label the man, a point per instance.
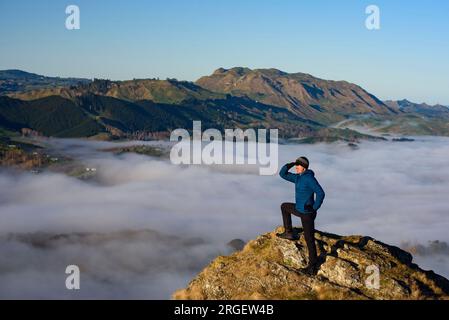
(306, 186)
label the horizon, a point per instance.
(186, 40)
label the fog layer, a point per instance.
(393, 191)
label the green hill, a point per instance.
(91, 114)
(160, 91)
(51, 116)
(298, 104)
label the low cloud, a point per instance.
(393, 191)
(126, 264)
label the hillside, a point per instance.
(270, 268)
(299, 105)
(90, 115)
(432, 111)
(12, 81)
(402, 124)
(321, 100)
(159, 91)
(50, 116)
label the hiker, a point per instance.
(305, 207)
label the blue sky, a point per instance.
(185, 39)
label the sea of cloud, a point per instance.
(393, 191)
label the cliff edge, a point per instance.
(352, 267)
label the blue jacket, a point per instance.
(306, 186)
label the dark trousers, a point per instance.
(308, 224)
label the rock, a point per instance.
(352, 267)
(341, 272)
(236, 244)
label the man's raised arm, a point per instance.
(287, 175)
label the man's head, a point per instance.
(301, 164)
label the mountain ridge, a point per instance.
(301, 93)
(299, 104)
(405, 105)
(159, 91)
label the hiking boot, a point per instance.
(289, 235)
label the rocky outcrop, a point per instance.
(351, 267)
